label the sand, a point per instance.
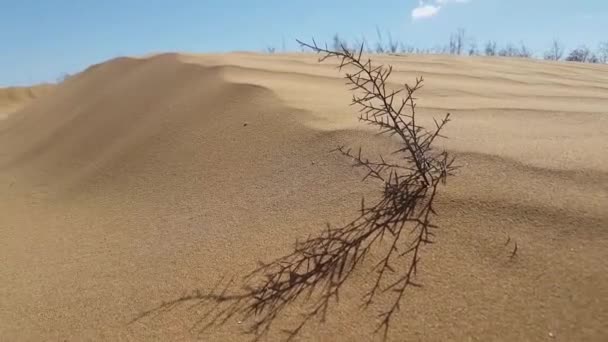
(14, 98)
(141, 179)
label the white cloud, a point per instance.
(443, 2)
(430, 8)
(425, 11)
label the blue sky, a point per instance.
(42, 39)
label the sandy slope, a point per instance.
(142, 179)
(15, 98)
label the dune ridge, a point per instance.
(141, 179)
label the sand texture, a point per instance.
(141, 179)
(14, 98)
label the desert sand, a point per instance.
(142, 179)
(14, 98)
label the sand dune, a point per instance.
(142, 179)
(15, 98)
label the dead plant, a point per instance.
(319, 266)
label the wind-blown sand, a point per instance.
(140, 180)
(14, 98)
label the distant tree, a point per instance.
(358, 43)
(490, 48)
(380, 43)
(473, 48)
(593, 59)
(602, 52)
(424, 51)
(336, 42)
(524, 51)
(556, 52)
(580, 54)
(404, 48)
(509, 50)
(64, 77)
(339, 43)
(270, 49)
(393, 46)
(459, 44)
(439, 49)
(456, 44)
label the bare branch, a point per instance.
(320, 265)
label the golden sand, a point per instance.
(139, 180)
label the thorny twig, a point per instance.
(320, 265)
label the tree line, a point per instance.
(461, 44)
